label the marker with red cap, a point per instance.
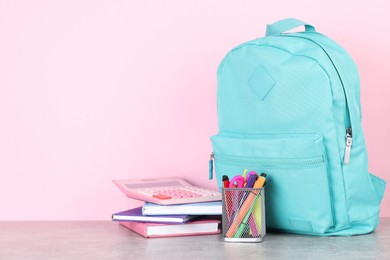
(225, 180)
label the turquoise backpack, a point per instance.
(289, 106)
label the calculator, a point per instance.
(166, 191)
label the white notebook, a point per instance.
(201, 208)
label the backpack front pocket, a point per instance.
(297, 194)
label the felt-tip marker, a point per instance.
(251, 181)
(225, 180)
(260, 181)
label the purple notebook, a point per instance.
(135, 215)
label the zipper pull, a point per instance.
(211, 164)
(348, 146)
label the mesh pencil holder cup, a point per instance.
(243, 214)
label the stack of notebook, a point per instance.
(156, 220)
(153, 220)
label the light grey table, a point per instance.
(108, 240)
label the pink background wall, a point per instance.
(96, 90)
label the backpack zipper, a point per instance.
(294, 162)
(211, 164)
(348, 141)
(269, 161)
(348, 145)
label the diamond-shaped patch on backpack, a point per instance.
(261, 83)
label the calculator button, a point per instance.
(162, 196)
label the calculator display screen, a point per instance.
(152, 184)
